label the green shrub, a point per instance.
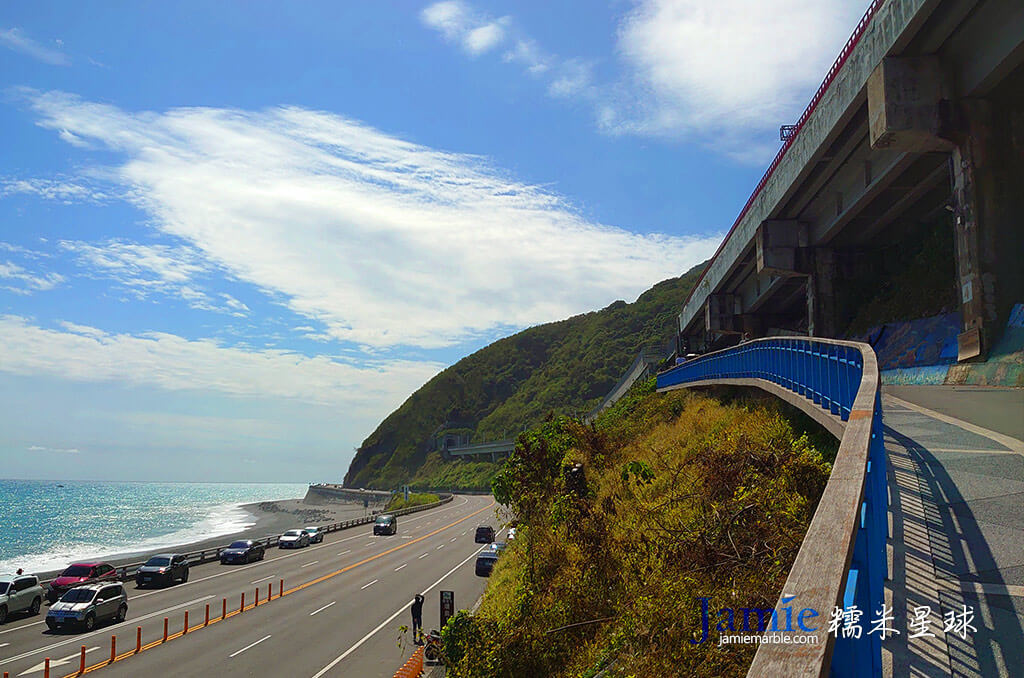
(683, 497)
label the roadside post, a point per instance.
(447, 606)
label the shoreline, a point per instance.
(268, 518)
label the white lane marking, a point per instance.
(368, 585)
(440, 547)
(308, 564)
(78, 639)
(264, 579)
(247, 647)
(392, 617)
(423, 556)
(463, 534)
(322, 608)
(452, 539)
(233, 570)
(4, 644)
(54, 663)
(400, 567)
(345, 551)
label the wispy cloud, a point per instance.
(381, 241)
(167, 361)
(148, 269)
(60, 190)
(21, 281)
(726, 74)
(59, 450)
(15, 39)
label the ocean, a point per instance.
(47, 524)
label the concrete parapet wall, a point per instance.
(322, 494)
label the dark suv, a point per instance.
(164, 568)
(484, 534)
(386, 524)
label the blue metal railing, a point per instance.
(832, 375)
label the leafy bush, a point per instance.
(398, 500)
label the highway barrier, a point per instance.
(412, 668)
(125, 572)
(842, 560)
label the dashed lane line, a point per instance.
(264, 579)
(364, 586)
(230, 656)
(387, 621)
(400, 567)
(322, 608)
(308, 564)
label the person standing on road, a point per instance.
(417, 619)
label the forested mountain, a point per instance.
(561, 367)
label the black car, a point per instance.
(485, 562)
(242, 551)
(386, 524)
(484, 534)
(164, 568)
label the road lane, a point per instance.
(28, 642)
(303, 643)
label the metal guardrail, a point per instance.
(842, 560)
(125, 572)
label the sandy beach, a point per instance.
(270, 518)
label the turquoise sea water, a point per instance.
(44, 526)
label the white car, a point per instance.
(316, 535)
(19, 593)
(293, 539)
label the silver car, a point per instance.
(293, 539)
(316, 534)
(87, 605)
(19, 593)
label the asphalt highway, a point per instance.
(344, 602)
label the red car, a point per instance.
(76, 574)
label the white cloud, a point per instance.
(381, 241)
(15, 39)
(725, 73)
(25, 282)
(170, 362)
(732, 64)
(458, 23)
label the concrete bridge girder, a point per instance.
(893, 136)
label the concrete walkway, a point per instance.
(957, 529)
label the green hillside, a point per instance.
(512, 384)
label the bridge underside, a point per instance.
(929, 149)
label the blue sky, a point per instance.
(235, 236)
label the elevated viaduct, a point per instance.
(920, 123)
